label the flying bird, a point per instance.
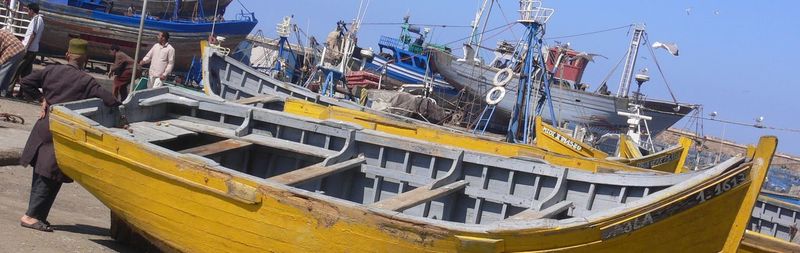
(588, 56)
(688, 11)
(672, 48)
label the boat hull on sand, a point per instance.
(101, 30)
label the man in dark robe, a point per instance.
(60, 84)
(122, 70)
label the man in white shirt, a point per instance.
(161, 58)
(31, 41)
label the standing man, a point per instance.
(60, 84)
(161, 58)
(31, 41)
(122, 70)
(11, 53)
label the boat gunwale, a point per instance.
(778, 202)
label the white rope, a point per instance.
(214, 20)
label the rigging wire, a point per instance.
(608, 76)
(794, 130)
(214, 20)
(490, 30)
(431, 25)
(652, 53)
(509, 28)
(485, 22)
(513, 35)
(245, 8)
(590, 33)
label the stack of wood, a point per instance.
(362, 79)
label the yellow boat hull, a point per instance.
(188, 206)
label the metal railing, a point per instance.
(531, 11)
(16, 19)
(391, 42)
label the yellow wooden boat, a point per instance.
(464, 140)
(669, 160)
(203, 175)
(234, 81)
(551, 144)
(754, 242)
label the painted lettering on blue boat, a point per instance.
(665, 212)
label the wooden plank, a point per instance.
(316, 171)
(201, 127)
(418, 196)
(167, 128)
(411, 179)
(531, 214)
(87, 112)
(290, 146)
(258, 99)
(258, 139)
(216, 147)
(146, 134)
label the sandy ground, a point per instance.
(80, 221)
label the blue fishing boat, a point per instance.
(403, 60)
(87, 19)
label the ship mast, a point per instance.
(533, 17)
(475, 38)
(630, 61)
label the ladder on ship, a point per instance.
(484, 119)
(630, 61)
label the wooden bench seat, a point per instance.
(549, 212)
(258, 139)
(216, 147)
(418, 196)
(316, 171)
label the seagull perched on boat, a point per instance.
(672, 48)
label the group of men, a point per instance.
(17, 57)
(161, 58)
(59, 84)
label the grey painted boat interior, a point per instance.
(342, 163)
(775, 218)
(234, 81)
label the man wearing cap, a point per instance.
(59, 84)
(11, 53)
